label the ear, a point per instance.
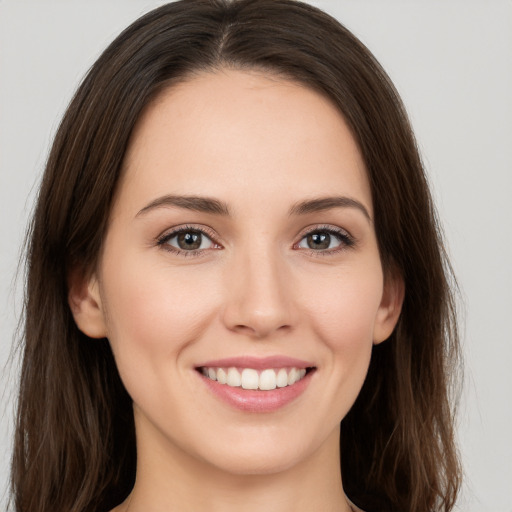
(85, 303)
(390, 307)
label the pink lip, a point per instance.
(249, 400)
(256, 400)
(258, 363)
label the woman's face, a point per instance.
(241, 245)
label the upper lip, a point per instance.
(257, 363)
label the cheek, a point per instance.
(154, 311)
(343, 313)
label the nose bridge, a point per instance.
(258, 295)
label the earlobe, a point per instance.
(389, 309)
(85, 303)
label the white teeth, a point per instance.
(282, 378)
(268, 380)
(293, 376)
(234, 379)
(249, 378)
(222, 376)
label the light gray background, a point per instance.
(451, 61)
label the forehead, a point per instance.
(221, 130)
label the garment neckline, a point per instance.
(352, 506)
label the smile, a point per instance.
(250, 378)
(257, 384)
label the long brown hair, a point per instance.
(75, 442)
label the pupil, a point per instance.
(189, 240)
(319, 241)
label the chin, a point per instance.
(270, 455)
(247, 464)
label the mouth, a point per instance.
(257, 384)
(266, 379)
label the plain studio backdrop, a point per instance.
(451, 61)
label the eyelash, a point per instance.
(162, 240)
(347, 241)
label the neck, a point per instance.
(168, 479)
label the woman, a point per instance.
(237, 294)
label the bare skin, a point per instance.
(272, 274)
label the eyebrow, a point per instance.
(327, 203)
(195, 203)
(217, 207)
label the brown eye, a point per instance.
(326, 240)
(188, 240)
(319, 240)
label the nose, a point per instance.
(259, 296)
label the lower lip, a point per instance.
(251, 400)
